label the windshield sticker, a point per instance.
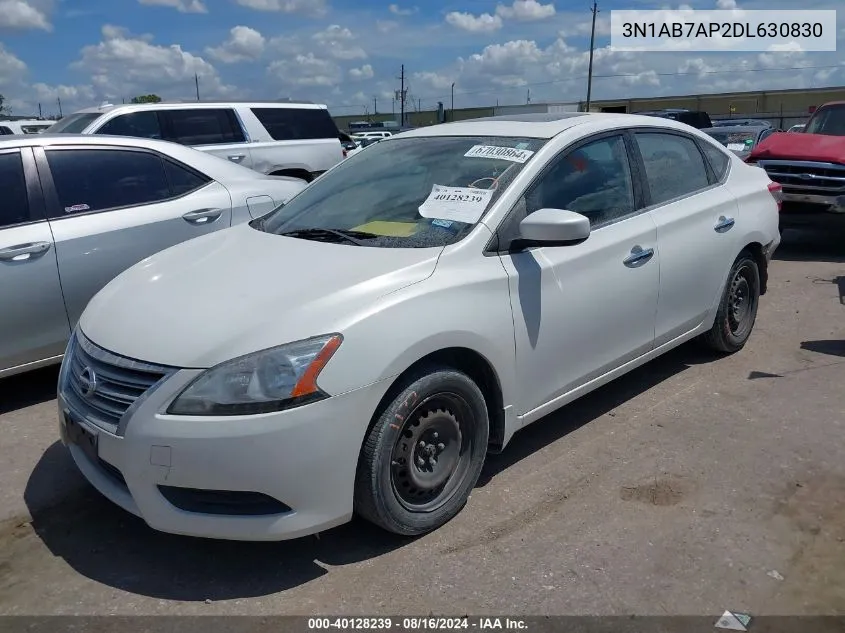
(77, 207)
(458, 204)
(736, 147)
(441, 223)
(514, 154)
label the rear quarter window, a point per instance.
(294, 124)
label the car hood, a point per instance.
(241, 290)
(812, 147)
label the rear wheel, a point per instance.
(737, 311)
(424, 453)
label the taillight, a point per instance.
(777, 193)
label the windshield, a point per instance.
(405, 192)
(75, 123)
(829, 120)
(740, 142)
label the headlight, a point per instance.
(271, 380)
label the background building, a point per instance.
(782, 107)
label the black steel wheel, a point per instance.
(424, 453)
(737, 311)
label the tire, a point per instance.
(737, 311)
(397, 486)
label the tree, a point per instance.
(3, 108)
(146, 99)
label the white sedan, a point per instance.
(362, 349)
(78, 210)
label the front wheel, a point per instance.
(738, 307)
(424, 453)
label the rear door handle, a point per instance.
(638, 256)
(202, 216)
(23, 252)
(236, 158)
(724, 224)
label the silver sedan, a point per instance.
(78, 210)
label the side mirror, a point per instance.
(554, 227)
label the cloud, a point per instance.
(306, 70)
(123, 65)
(526, 10)
(182, 6)
(339, 42)
(22, 15)
(244, 45)
(364, 72)
(484, 23)
(726, 4)
(396, 10)
(314, 8)
(386, 26)
(11, 68)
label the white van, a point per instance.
(24, 126)
(281, 139)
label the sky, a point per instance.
(348, 54)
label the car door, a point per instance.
(213, 130)
(110, 207)
(694, 213)
(584, 309)
(33, 322)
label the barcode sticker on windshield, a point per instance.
(459, 204)
(504, 153)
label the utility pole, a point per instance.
(595, 11)
(528, 96)
(452, 109)
(197, 83)
(419, 105)
(59, 101)
(375, 106)
(402, 98)
(39, 111)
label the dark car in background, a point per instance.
(694, 118)
(740, 139)
(742, 123)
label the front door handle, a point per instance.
(202, 216)
(236, 158)
(638, 256)
(724, 224)
(23, 252)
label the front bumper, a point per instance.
(822, 203)
(304, 458)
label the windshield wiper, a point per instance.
(331, 235)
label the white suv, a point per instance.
(281, 139)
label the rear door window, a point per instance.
(202, 126)
(14, 205)
(295, 124)
(182, 179)
(138, 124)
(88, 180)
(674, 165)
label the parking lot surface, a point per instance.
(693, 485)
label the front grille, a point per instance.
(806, 177)
(100, 386)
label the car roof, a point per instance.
(546, 125)
(171, 105)
(212, 166)
(731, 129)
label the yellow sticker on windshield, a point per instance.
(389, 229)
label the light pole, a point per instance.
(452, 109)
(595, 11)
